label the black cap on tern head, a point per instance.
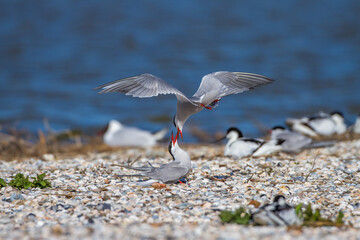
(174, 120)
(338, 113)
(278, 127)
(235, 129)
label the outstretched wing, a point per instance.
(219, 84)
(142, 86)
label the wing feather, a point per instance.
(219, 84)
(144, 85)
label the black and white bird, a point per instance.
(165, 173)
(212, 88)
(293, 141)
(117, 134)
(296, 142)
(278, 213)
(239, 146)
(321, 124)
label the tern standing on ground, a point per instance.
(212, 88)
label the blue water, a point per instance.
(53, 53)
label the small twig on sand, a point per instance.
(312, 167)
(250, 178)
(135, 160)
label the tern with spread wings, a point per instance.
(212, 88)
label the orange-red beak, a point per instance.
(179, 131)
(172, 137)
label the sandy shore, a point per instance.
(87, 200)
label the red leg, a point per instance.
(206, 107)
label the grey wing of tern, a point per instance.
(220, 84)
(142, 86)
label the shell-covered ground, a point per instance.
(88, 200)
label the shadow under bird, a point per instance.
(117, 134)
(166, 173)
(212, 88)
(239, 146)
(320, 124)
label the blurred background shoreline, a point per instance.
(53, 53)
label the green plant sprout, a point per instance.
(314, 219)
(19, 181)
(2, 183)
(240, 216)
(40, 182)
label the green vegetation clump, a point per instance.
(41, 182)
(2, 183)
(19, 181)
(314, 219)
(240, 216)
(339, 218)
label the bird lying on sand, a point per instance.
(239, 146)
(166, 173)
(117, 134)
(296, 142)
(278, 213)
(321, 124)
